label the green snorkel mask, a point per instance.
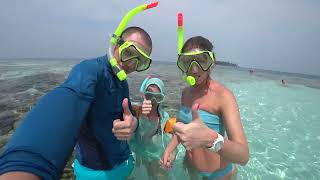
(203, 59)
(128, 51)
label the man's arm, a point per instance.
(19, 175)
(46, 138)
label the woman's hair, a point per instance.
(197, 42)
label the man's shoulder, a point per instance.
(84, 76)
(93, 65)
(87, 71)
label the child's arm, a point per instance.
(169, 154)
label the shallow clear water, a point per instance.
(281, 122)
(282, 127)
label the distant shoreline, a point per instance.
(220, 63)
(224, 63)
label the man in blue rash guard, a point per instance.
(90, 110)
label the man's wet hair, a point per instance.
(133, 29)
(197, 42)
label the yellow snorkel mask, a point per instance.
(128, 51)
(203, 59)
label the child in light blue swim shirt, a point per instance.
(150, 141)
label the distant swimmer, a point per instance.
(283, 82)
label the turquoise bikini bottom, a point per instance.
(118, 173)
(217, 174)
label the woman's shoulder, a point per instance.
(219, 89)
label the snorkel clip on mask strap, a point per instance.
(115, 38)
(190, 80)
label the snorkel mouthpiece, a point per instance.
(190, 80)
(120, 73)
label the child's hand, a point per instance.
(146, 106)
(167, 159)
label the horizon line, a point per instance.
(172, 62)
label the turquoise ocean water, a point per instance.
(282, 123)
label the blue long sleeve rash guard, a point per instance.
(80, 111)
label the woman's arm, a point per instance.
(235, 148)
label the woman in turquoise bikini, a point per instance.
(209, 125)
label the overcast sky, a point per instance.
(275, 34)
